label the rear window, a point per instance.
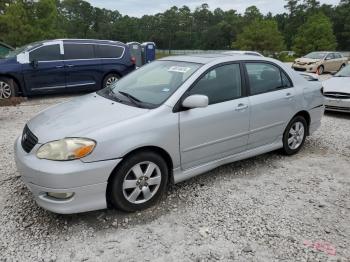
(78, 51)
(109, 51)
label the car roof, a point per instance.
(94, 41)
(208, 58)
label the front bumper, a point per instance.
(338, 105)
(305, 68)
(88, 181)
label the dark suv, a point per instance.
(63, 66)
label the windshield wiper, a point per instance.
(133, 99)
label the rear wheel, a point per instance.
(8, 88)
(139, 182)
(294, 135)
(110, 79)
(342, 66)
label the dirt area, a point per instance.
(267, 208)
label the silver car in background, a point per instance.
(337, 91)
(168, 121)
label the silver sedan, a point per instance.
(337, 91)
(168, 121)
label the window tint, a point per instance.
(265, 78)
(46, 53)
(108, 51)
(78, 51)
(220, 84)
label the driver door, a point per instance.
(221, 129)
(45, 72)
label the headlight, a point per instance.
(66, 149)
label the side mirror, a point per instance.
(34, 63)
(196, 101)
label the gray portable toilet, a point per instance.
(136, 52)
(148, 52)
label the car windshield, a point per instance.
(152, 84)
(345, 72)
(316, 55)
(21, 49)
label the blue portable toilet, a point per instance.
(148, 52)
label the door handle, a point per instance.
(241, 107)
(59, 66)
(70, 65)
(289, 96)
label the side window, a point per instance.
(265, 77)
(337, 55)
(330, 56)
(109, 51)
(220, 84)
(78, 51)
(46, 53)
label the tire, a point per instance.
(341, 67)
(110, 79)
(8, 88)
(320, 70)
(294, 135)
(130, 189)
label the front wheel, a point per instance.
(320, 70)
(294, 135)
(139, 182)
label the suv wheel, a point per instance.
(139, 182)
(7, 88)
(294, 135)
(110, 79)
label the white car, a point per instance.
(238, 52)
(337, 91)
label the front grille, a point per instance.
(337, 95)
(29, 140)
(338, 108)
(299, 69)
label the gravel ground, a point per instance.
(267, 208)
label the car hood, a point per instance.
(337, 84)
(306, 60)
(79, 117)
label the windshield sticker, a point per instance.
(179, 69)
(165, 89)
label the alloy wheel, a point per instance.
(296, 135)
(142, 182)
(5, 90)
(111, 80)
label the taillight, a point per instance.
(133, 60)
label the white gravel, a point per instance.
(267, 208)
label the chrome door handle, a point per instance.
(59, 66)
(241, 107)
(289, 96)
(70, 65)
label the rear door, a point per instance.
(272, 102)
(45, 71)
(221, 129)
(83, 69)
(331, 63)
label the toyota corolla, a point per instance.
(168, 121)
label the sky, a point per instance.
(139, 8)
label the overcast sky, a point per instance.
(142, 7)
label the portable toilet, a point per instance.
(136, 52)
(148, 52)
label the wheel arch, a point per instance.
(110, 72)
(306, 116)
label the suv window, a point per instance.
(46, 53)
(109, 51)
(78, 51)
(265, 77)
(220, 84)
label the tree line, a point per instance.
(305, 26)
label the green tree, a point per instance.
(260, 35)
(315, 35)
